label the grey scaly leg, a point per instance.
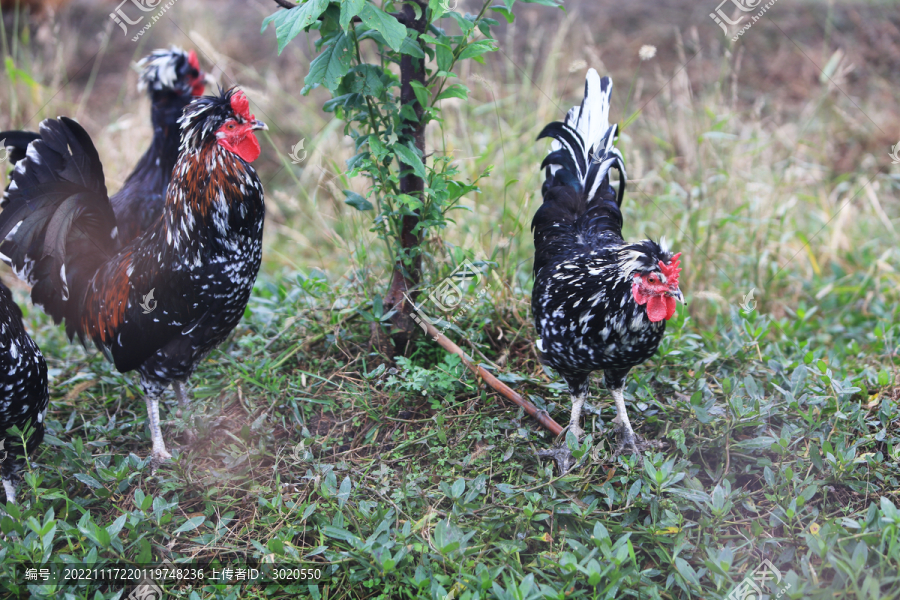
(181, 393)
(10, 490)
(159, 446)
(574, 420)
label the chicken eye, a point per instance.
(230, 126)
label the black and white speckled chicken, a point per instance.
(172, 78)
(598, 302)
(23, 392)
(162, 302)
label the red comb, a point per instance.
(241, 106)
(193, 60)
(672, 269)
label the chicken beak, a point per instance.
(678, 296)
(257, 125)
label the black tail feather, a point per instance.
(579, 200)
(57, 225)
(16, 143)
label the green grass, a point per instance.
(414, 480)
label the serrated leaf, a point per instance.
(190, 525)
(332, 64)
(411, 158)
(350, 9)
(393, 31)
(298, 19)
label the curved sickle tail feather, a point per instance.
(579, 202)
(582, 152)
(57, 224)
(16, 143)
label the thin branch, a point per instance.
(540, 415)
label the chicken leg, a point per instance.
(159, 452)
(10, 488)
(628, 439)
(578, 386)
(181, 393)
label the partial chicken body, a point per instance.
(172, 79)
(598, 301)
(198, 262)
(23, 392)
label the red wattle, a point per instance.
(656, 309)
(248, 148)
(670, 307)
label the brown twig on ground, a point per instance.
(542, 417)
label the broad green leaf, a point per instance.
(444, 57)
(422, 93)
(349, 9)
(297, 20)
(411, 158)
(365, 80)
(686, 570)
(394, 33)
(332, 64)
(464, 24)
(275, 546)
(358, 202)
(477, 49)
(190, 525)
(88, 480)
(344, 492)
(457, 90)
(277, 18)
(116, 526)
(412, 48)
(504, 12)
(763, 442)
